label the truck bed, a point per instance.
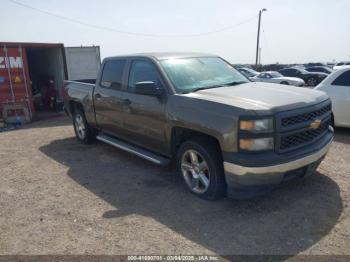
(80, 92)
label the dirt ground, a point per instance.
(60, 197)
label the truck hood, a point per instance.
(261, 96)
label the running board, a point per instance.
(152, 157)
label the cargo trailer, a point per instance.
(32, 76)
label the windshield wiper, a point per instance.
(235, 83)
(216, 86)
(199, 89)
(203, 88)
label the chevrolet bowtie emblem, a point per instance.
(316, 124)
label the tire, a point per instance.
(285, 83)
(333, 121)
(312, 81)
(204, 174)
(83, 132)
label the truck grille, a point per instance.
(295, 130)
(304, 137)
(293, 120)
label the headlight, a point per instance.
(262, 125)
(258, 144)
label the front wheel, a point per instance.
(84, 133)
(284, 83)
(201, 167)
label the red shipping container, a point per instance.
(14, 76)
(32, 74)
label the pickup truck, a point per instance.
(225, 133)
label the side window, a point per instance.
(112, 74)
(247, 73)
(343, 79)
(268, 76)
(294, 72)
(287, 72)
(142, 71)
(262, 76)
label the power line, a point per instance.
(129, 32)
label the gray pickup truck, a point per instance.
(226, 133)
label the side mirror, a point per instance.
(148, 88)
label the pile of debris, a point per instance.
(5, 126)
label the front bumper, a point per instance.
(244, 176)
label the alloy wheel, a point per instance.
(80, 126)
(195, 171)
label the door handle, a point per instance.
(98, 96)
(126, 102)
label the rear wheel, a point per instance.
(84, 133)
(201, 167)
(312, 81)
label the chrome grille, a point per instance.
(293, 120)
(304, 137)
(294, 127)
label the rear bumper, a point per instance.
(244, 176)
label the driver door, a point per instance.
(262, 77)
(144, 117)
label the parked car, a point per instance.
(322, 69)
(277, 78)
(248, 72)
(337, 86)
(314, 64)
(311, 79)
(341, 65)
(226, 133)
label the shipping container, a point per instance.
(32, 75)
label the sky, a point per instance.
(293, 31)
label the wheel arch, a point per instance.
(180, 134)
(74, 105)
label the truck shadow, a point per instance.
(342, 135)
(287, 221)
(55, 120)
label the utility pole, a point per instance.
(260, 56)
(258, 39)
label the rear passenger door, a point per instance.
(144, 117)
(108, 96)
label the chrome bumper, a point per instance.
(252, 176)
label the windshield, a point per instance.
(301, 70)
(275, 74)
(191, 74)
(251, 71)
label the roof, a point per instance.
(168, 55)
(32, 45)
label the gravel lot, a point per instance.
(60, 197)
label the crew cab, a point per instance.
(226, 133)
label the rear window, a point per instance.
(343, 79)
(112, 74)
